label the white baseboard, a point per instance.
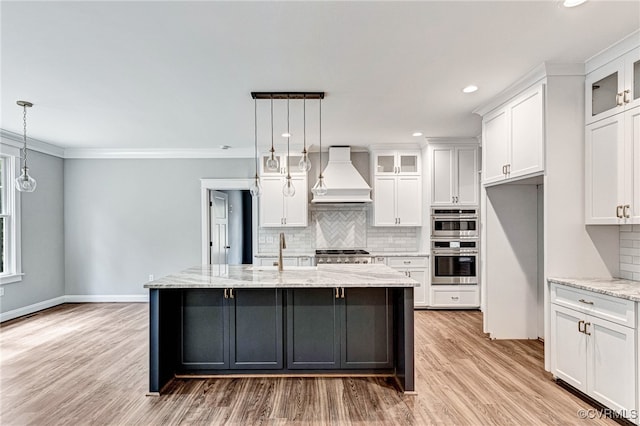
(6, 316)
(107, 298)
(78, 298)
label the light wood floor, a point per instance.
(81, 364)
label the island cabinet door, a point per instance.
(367, 328)
(256, 322)
(205, 330)
(313, 329)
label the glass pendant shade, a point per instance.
(288, 189)
(24, 182)
(256, 188)
(272, 163)
(305, 163)
(320, 188)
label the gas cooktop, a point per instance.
(342, 252)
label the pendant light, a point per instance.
(256, 188)
(288, 189)
(24, 182)
(305, 164)
(320, 188)
(272, 162)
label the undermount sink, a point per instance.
(285, 268)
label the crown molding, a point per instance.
(450, 140)
(612, 52)
(16, 140)
(128, 153)
(537, 75)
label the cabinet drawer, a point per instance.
(614, 309)
(455, 298)
(406, 262)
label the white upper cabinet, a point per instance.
(278, 211)
(396, 163)
(397, 188)
(613, 88)
(612, 142)
(294, 159)
(612, 170)
(454, 174)
(513, 138)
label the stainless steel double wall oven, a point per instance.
(454, 246)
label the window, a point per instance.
(10, 266)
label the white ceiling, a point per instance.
(178, 75)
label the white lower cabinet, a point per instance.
(287, 261)
(454, 296)
(594, 355)
(413, 267)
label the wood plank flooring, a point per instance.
(83, 364)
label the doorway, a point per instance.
(231, 227)
(250, 213)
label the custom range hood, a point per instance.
(344, 183)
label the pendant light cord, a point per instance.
(24, 126)
(288, 139)
(272, 149)
(255, 129)
(320, 125)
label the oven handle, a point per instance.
(454, 217)
(460, 252)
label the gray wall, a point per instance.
(42, 237)
(126, 219)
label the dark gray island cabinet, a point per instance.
(239, 320)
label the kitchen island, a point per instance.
(333, 320)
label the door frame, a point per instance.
(206, 186)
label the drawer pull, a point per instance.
(454, 298)
(586, 302)
(407, 262)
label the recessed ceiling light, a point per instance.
(286, 135)
(573, 3)
(416, 134)
(224, 147)
(470, 89)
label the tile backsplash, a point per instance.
(341, 226)
(630, 252)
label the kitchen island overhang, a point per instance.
(333, 320)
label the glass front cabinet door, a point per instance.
(613, 88)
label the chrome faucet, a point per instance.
(281, 246)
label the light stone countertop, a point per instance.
(250, 276)
(398, 254)
(616, 287)
(287, 254)
(372, 254)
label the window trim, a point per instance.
(12, 202)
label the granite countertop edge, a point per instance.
(371, 253)
(616, 287)
(248, 276)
